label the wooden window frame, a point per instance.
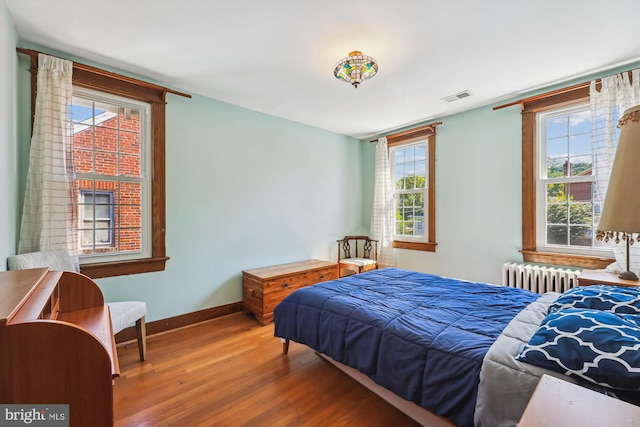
(406, 137)
(530, 108)
(116, 84)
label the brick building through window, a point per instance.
(108, 164)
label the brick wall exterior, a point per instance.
(117, 152)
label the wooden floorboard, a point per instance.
(231, 371)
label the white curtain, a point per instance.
(616, 94)
(382, 219)
(49, 219)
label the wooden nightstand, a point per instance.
(599, 277)
(560, 403)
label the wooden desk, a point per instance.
(558, 403)
(57, 344)
(599, 277)
(263, 288)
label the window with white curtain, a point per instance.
(568, 209)
(564, 177)
(113, 97)
(412, 164)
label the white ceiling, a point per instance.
(277, 56)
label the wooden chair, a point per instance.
(123, 313)
(349, 250)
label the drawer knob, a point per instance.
(321, 276)
(285, 285)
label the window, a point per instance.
(131, 113)
(412, 161)
(409, 172)
(125, 95)
(97, 225)
(567, 211)
(110, 147)
(558, 209)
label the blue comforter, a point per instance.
(419, 335)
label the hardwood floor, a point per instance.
(231, 371)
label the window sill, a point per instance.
(122, 268)
(416, 246)
(583, 261)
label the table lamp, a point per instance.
(620, 218)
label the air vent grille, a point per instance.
(457, 96)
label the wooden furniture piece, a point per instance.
(349, 250)
(263, 288)
(56, 344)
(123, 313)
(599, 277)
(559, 403)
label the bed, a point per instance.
(448, 346)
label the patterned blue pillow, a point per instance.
(599, 346)
(615, 299)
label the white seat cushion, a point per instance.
(125, 314)
(360, 262)
(58, 259)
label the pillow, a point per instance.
(599, 346)
(614, 299)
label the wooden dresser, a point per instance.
(56, 344)
(264, 288)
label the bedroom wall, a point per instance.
(8, 142)
(478, 197)
(244, 190)
(478, 191)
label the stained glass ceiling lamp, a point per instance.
(356, 68)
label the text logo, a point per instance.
(34, 415)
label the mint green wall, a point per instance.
(478, 197)
(244, 190)
(478, 192)
(8, 141)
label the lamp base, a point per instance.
(628, 275)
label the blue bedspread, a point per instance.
(419, 335)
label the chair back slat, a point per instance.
(369, 247)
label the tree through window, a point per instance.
(412, 160)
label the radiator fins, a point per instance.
(538, 278)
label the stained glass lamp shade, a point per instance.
(356, 68)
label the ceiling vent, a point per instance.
(457, 96)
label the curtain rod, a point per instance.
(544, 95)
(33, 54)
(410, 131)
(578, 86)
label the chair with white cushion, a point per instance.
(349, 250)
(123, 314)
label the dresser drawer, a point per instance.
(274, 294)
(299, 280)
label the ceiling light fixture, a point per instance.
(356, 68)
